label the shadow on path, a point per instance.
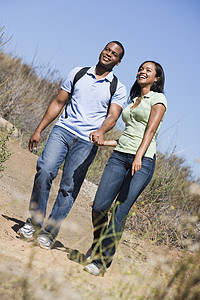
(72, 254)
(77, 256)
(18, 224)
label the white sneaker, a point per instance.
(27, 230)
(45, 240)
(92, 269)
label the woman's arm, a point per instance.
(156, 115)
(110, 143)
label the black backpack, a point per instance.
(79, 74)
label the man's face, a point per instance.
(110, 56)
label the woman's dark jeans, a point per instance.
(116, 181)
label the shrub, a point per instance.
(4, 149)
(24, 97)
(167, 211)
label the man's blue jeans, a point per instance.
(77, 155)
(117, 181)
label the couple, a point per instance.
(96, 99)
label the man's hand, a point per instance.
(33, 142)
(97, 138)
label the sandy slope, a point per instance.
(26, 270)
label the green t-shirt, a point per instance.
(136, 122)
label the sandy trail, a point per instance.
(22, 262)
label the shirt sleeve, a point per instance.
(159, 98)
(120, 96)
(68, 81)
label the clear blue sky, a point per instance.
(63, 34)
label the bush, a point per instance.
(4, 150)
(24, 96)
(167, 212)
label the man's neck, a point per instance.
(101, 72)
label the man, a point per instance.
(73, 140)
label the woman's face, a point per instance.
(146, 75)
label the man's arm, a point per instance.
(51, 113)
(97, 137)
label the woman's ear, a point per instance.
(156, 79)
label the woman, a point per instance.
(131, 165)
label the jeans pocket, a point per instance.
(148, 164)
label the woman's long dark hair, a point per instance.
(157, 86)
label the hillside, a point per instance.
(28, 272)
(151, 262)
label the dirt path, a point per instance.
(28, 272)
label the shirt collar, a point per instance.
(149, 94)
(109, 77)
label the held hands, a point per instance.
(136, 165)
(33, 142)
(97, 138)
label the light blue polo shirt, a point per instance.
(88, 107)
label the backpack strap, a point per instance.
(81, 73)
(78, 76)
(113, 87)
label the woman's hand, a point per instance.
(136, 165)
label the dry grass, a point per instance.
(167, 212)
(24, 96)
(164, 280)
(4, 149)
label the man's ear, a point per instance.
(118, 63)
